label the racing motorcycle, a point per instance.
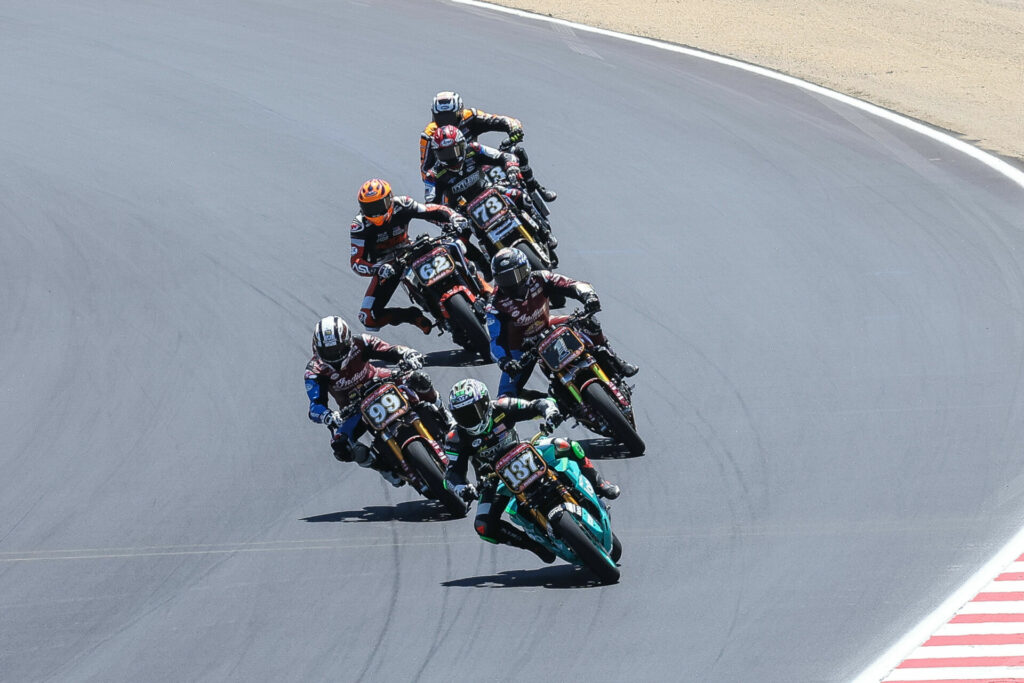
(404, 440)
(580, 386)
(556, 506)
(439, 279)
(499, 224)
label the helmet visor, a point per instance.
(471, 415)
(446, 118)
(376, 208)
(450, 156)
(512, 278)
(335, 352)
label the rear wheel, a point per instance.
(593, 559)
(419, 459)
(597, 396)
(461, 314)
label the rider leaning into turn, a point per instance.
(448, 110)
(520, 309)
(458, 173)
(379, 232)
(484, 432)
(340, 366)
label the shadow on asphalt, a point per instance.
(558, 576)
(452, 359)
(605, 449)
(409, 511)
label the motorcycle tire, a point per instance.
(597, 396)
(419, 459)
(462, 316)
(616, 552)
(536, 262)
(566, 528)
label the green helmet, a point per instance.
(470, 405)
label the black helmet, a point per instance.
(511, 270)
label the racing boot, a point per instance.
(616, 364)
(602, 486)
(512, 536)
(411, 315)
(531, 184)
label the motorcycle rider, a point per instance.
(447, 110)
(457, 173)
(379, 233)
(485, 430)
(340, 366)
(520, 309)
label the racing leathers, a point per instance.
(375, 248)
(342, 381)
(511, 321)
(467, 182)
(474, 123)
(484, 450)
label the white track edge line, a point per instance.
(991, 160)
(1015, 547)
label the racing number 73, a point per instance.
(484, 211)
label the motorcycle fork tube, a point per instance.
(396, 450)
(423, 431)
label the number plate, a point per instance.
(560, 348)
(434, 266)
(521, 467)
(487, 209)
(383, 406)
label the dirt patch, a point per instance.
(958, 64)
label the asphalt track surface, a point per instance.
(826, 307)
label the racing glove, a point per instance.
(466, 492)
(510, 366)
(385, 271)
(592, 304)
(333, 419)
(460, 224)
(516, 134)
(414, 359)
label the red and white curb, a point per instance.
(984, 641)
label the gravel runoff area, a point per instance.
(957, 64)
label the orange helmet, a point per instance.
(376, 201)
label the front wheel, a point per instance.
(593, 559)
(598, 398)
(419, 459)
(536, 262)
(462, 316)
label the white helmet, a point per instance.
(332, 339)
(470, 405)
(447, 108)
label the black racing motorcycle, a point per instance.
(404, 440)
(581, 387)
(440, 280)
(498, 223)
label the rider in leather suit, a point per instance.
(339, 366)
(448, 110)
(484, 432)
(520, 309)
(379, 233)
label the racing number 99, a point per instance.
(384, 406)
